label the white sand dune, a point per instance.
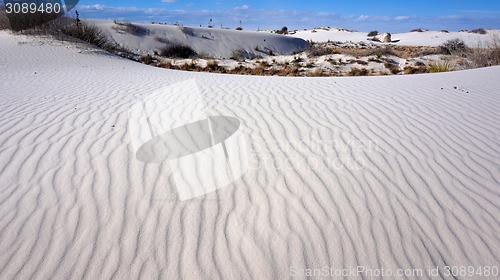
(215, 42)
(428, 38)
(384, 172)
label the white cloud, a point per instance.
(96, 7)
(404, 18)
(362, 17)
(244, 7)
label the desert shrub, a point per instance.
(186, 30)
(418, 30)
(177, 51)
(453, 46)
(130, 28)
(4, 20)
(162, 39)
(372, 33)
(361, 62)
(283, 30)
(485, 55)
(478, 31)
(240, 54)
(444, 31)
(440, 66)
(87, 33)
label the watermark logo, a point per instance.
(205, 153)
(320, 150)
(25, 14)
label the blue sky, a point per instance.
(363, 15)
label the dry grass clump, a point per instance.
(289, 71)
(413, 51)
(146, 58)
(380, 51)
(320, 50)
(167, 64)
(359, 72)
(392, 66)
(213, 67)
(316, 73)
(410, 70)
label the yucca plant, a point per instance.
(441, 66)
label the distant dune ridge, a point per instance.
(384, 172)
(424, 38)
(212, 42)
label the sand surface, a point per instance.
(383, 172)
